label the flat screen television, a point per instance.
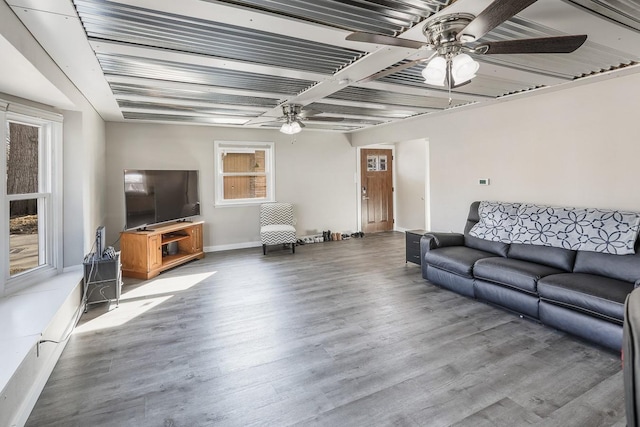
(157, 196)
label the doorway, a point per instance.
(376, 190)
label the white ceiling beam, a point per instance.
(425, 91)
(379, 59)
(60, 7)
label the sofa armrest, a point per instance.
(431, 241)
(636, 284)
(441, 240)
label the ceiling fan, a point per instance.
(293, 116)
(448, 35)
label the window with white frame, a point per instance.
(244, 173)
(31, 210)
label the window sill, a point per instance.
(26, 314)
(242, 204)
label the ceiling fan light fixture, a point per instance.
(291, 128)
(295, 127)
(435, 71)
(463, 68)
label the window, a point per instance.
(244, 173)
(376, 163)
(31, 214)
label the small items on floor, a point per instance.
(329, 236)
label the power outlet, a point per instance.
(483, 181)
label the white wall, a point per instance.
(574, 147)
(315, 172)
(411, 168)
(84, 189)
(84, 182)
(83, 199)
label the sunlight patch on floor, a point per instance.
(165, 285)
(124, 313)
(140, 300)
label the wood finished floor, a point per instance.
(339, 334)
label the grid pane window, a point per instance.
(244, 173)
(30, 223)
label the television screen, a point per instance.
(155, 196)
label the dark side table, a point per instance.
(413, 245)
(102, 280)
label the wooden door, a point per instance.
(376, 191)
(155, 251)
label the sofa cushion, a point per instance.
(547, 255)
(522, 303)
(512, 273)
(456, 259)
(596, 295)
(496, 248)
(621, 267)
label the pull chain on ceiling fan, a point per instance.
(448, 35)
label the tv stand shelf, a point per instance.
(142, 253)
(170, 238)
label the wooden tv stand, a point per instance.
(142, 253)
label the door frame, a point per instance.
(358, 180)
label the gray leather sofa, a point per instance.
(579, 292)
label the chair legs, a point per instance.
(293, 248)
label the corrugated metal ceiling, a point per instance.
(179, 64)
(382, 17)
(135, 25)
(192, 73)
(123, 90)
(591, 57)
(626, 12)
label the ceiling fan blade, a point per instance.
(382, 39)
(395, 69)
(560, 44)
(326, 119)
(262, 119)
(495, 14)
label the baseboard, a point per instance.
(232, 246)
